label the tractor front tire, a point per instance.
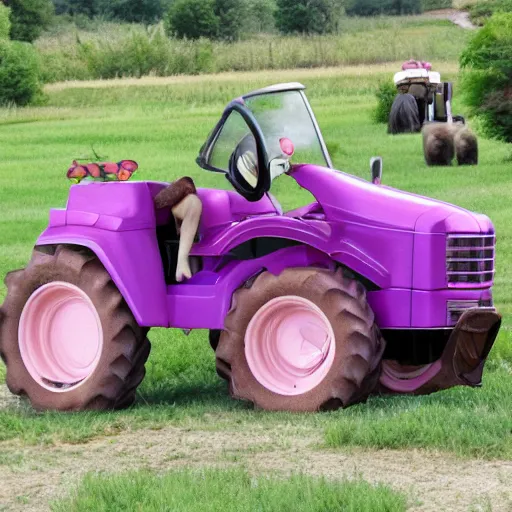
(67, 337)
(302, 341)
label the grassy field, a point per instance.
(161, 123)
(114, 50)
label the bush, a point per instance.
(389, 7)
(29, 18)
(19, 73)
(431, 5)
(487, 75)
(5, 22)
(306, 16)
(386, 94)
(192, 19)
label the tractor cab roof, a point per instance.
(412, 75)
(257, 135)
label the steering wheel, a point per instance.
(245, 159)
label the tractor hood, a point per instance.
(344, 197)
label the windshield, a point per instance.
(233, 131)
(285, 114)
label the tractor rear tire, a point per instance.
(64, 317)
(314, 321)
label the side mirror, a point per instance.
(376, 169)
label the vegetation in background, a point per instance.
(481, 11)
(227, 491)
(19, 73)
(132, 11)
(307, 16)
(487, 78)
(385, 94)
(232, 15)
(29, 18)
(379, 7)
(192, 19)
(227, 20)
(127, 51)
(432, 5)
(5, 22)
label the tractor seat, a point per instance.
(222, 207)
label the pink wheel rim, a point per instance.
(402, 381)
(289, 345)
(60, 337)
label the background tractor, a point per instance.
(422, 98)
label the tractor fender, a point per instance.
(133, 261)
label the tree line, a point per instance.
(213, 19)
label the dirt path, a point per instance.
(32, 476)
(460, 18)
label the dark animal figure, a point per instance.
(466, 146)
(438, 143)
(404, 116)
(443, 141)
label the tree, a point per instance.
(306, 16)
(261, 16)
(231, 14)
(87, 7)
(487, 75)
(132, 11)
(192, 19)
(379, 7)
(29, 18)
(5, 22)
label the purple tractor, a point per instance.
(367, 290)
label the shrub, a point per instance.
(192, 19)
(19, 73)
(5, 22)
(386, 94)
(306, 16)
(487, 75)
(29, 18)
(376, 7)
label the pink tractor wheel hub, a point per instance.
(60, 336)
(402, 379)
(289, 345)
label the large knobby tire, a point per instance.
(349, 370)
(56, 299)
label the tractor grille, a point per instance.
(470, 260)
(455, 308)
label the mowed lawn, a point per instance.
(162, 124)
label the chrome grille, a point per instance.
(455, 308)
(470, 259)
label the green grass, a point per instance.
(162, 127)
(136, 51)
(227, 491)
